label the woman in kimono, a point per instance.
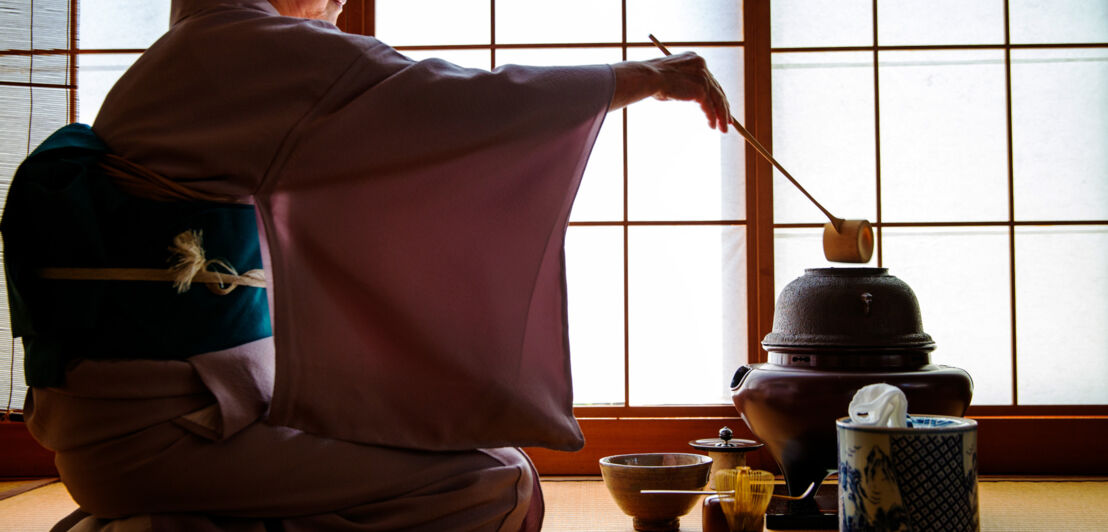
(410, 331)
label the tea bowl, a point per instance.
(626, 475)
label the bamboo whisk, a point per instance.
(744, 495)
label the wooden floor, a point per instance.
(582, 504)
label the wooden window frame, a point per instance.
(1047, 440)
(1012, 439)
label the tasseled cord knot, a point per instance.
(188, 250)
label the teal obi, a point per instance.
(63, 212)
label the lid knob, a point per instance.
(725, 434)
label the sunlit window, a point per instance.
(39, 94)
(976, 135)
(656, 252)
(107, 28)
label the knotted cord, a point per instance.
(191, 261)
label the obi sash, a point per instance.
(64, 212)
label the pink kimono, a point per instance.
(412, 216)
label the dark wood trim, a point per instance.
(541, 45)
(649, 223)
(726, 411)
(1009, 223)
(626, 154)
(492, 34)
(606, 437)
(357, 17)
(757, 88)
(21, 456)
(72, 59)
(919, 47)
(73, 51)
(1007, 445)
(667, 411)
(1038, 410)
(28, 84)
(1013, 321)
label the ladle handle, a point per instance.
(837, 222)
(807, 492)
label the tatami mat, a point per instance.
(36, 510)
(11, 488)
(583, 505)
(1005, 506)
(1028, 506)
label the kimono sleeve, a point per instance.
(415, 232)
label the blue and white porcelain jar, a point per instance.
(922, 477)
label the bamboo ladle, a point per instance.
(807, 492)
(843, 240)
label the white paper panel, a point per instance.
(528, 21)
(687, 313)
(797, 249)
(1058, 21)
(122, 23)
(50, 33)
(823, 134)
(23, 127)
(1060, 134)
(594, 274)
(558, 56)
(944, 156)
(912, 22)
(51, 19)
(960, 277)
(600, 197)
(1062, 309)
(42, 68)
(432, 22)
(13, 387)
(698, 20)
(679, 169)
(481, 59)
(96, 75)
(811, 23)
(27, 116)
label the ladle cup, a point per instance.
(851, 241)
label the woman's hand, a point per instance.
(675, 77)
